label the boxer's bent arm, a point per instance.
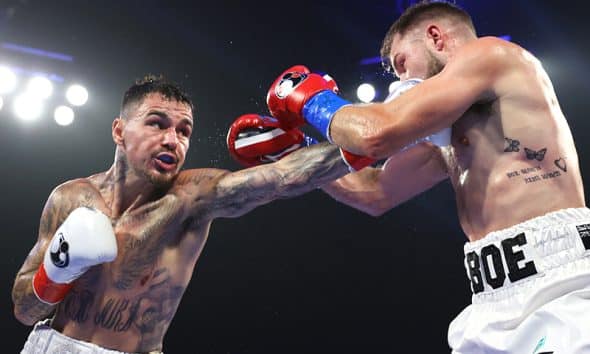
(379, 130)
(404, 176)
(238, 192)
(28, 309)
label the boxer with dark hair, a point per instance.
(511, 160)
(116, 250)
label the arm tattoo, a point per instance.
(57, 208)
(23, 297)
(239, 192)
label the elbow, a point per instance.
(376, 144)
(23, 318)
(374, 212)
(376, 209)
(22, 309)
(378, 139)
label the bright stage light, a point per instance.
(1, 103)
(7, 80)
(63, 115)
(40, 87)
(77, 95)
(394, 86)
(27, 108)
(365, 92)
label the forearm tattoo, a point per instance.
(54, 213)
(296, 174)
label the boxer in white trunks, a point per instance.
(116, 250)
(512, 162)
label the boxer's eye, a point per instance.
(155, 123)
(185, 132)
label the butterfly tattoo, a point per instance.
(513, 145)
(535, 155)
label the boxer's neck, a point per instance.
(128, 190)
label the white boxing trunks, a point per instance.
(531, 289)
(46, 340)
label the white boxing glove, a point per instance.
(399, 87)
(441, 138)
(85, 238)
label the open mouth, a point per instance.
(166, 161)
(165, 158)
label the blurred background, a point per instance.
(306, 275)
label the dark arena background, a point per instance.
(305, 275)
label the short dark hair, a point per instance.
(423, 10)
(154, 84)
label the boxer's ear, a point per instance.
(117, 130)
(434, 34)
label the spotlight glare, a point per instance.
(40, 87)
(365, 92)
(7, 80)
(63, 115)
(77, 95)
(27, 108)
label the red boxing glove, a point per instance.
(355, 162)
(291, 90)
(253, 139)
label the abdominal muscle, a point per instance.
(131, 320)
(498, 185)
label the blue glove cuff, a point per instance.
(308, 141)
(320, 109)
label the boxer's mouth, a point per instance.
(167, 158)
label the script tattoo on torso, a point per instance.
(532, 174)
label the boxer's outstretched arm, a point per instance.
(379, 130)
(235, 193)
(404, 176)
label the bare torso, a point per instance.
(160, 217)
(513, 158)
(129, 303)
